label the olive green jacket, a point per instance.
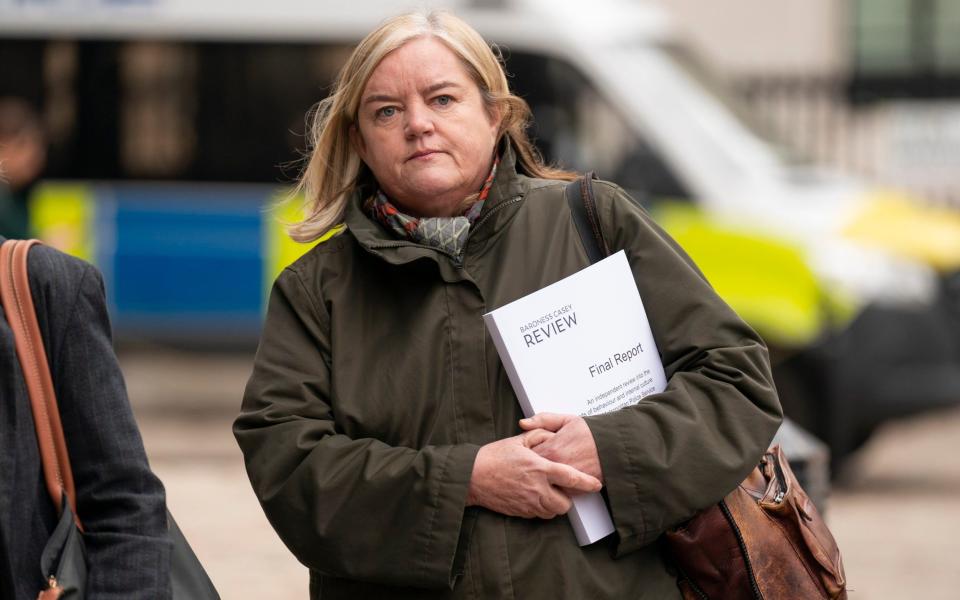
(376, 382)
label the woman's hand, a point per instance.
(510, 478)
(572, 443)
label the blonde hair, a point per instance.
(334, 170)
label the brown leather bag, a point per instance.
(764, 541)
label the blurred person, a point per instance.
(23, 155)
(379, 428)
(119, 500)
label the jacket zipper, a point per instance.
(401, 244)
(743, 549)
(503, 204)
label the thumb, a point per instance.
(545, 420)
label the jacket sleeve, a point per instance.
(682, 450)
(352, 508)
(120, 501)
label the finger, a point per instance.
(534, 438)
(552, 503)
(566, 476)
(542, 512)
(549, 450)
(548, 421)
(558, 502)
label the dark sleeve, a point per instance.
(355, 508)
(120, 501)
(682, 450)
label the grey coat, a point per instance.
(120, 501)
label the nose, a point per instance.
(419, 120)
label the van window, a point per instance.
(236, 111)
(578, 128)
(173, 110)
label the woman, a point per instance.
(379, 428)
(119, 500)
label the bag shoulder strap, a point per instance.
(22, 318)
(583, 207)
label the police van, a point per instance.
(176, 126)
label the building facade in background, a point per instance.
(868, 86)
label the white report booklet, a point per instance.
(580, 346)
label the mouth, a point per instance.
(422, 154)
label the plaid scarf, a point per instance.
(446, 233)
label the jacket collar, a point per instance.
(504, 199)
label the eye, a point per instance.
(443, 99)
(386, 112)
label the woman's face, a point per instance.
(423, 129)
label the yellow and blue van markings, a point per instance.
(62, 214)
(194, 260)
(768, 282)
(198, 260)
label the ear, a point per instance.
(496, 119)
(356, 140)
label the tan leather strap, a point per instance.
(22, 318)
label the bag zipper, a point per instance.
(778, 476)
(743, 549)
(693, 586)
(781, 481)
